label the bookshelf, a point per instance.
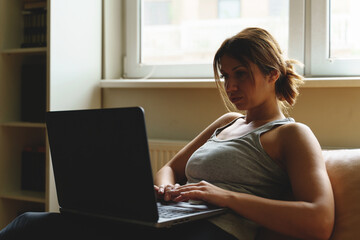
(70, 66)
(16, 133)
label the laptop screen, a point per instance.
(101, 162)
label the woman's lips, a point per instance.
(235, 99)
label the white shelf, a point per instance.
(27, 196)
(24, 50)
(24, 124)
(324, 82)
(157, 83)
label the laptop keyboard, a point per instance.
(172, 211)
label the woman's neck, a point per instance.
(264, 114)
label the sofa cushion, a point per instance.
(343, 167)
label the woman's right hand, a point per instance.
(163, 191)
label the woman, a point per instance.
(252, 164)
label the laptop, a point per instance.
(102, 168)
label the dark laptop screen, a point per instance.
(101, 162)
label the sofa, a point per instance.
(343, 166)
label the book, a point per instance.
(33, 91)
(33, 169)
(35, 28)
(34, 4)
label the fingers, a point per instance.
(191, 186)
(194, 191)
(167, 194)
(189, 195)
(164, 192)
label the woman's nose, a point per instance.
(231, 85)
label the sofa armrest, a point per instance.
(343, 167)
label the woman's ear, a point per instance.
(274, 75)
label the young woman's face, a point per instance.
(243, 91)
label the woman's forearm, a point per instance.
(165, 181)
(165, 176)
(286, 217)
(300, 219)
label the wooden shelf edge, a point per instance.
(24, 50)
(24, 124)
(27, 196)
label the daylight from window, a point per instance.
(344, 31)
(190, 31)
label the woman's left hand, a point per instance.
(203, 191)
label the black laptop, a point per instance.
(102, 168)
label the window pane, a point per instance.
(344, 29)
(190, 31)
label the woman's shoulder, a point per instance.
(295, 132)
(294, 128)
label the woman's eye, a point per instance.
(223, 76)
(240, 74)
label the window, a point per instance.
(334, 42)
(171, 33)
(344, 32)
(229, 9)
(178, 38)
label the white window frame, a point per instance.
(319, 62)
(134, 69)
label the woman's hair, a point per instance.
(256, 45)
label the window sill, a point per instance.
(324, 82)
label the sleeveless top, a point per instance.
(240, 165)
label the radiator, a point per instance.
(161, 151)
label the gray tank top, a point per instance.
(239, 165)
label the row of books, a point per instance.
(35, 26)
(34, 4)
(33, 89)
(33, 169)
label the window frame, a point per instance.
(132, 66)
(133, 69)
(319, 60)
(308, 43)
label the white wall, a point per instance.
(179, 114)
(75, 62)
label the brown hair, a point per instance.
(258, 46)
